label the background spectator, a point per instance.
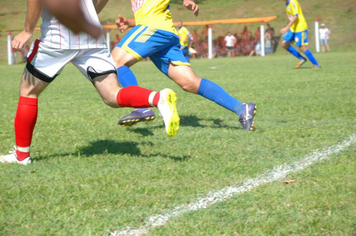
(324, 37)
(230, 43)
(245, 34)
(268, 43)
(257, 49)
(274, 38)
(258, 33)
(117, 39)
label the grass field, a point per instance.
(91, 177)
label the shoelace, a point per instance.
(13, 151)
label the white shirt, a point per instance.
(56, 35)
(230, 40)
(324, 33)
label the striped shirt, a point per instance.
(56, 35)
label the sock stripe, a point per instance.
(151, 97)
(23, 149)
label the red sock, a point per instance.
(137, 97)
(25, 121)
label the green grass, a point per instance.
(89, 176)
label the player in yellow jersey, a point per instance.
(184, 39)
(296, 32)
(153, 35)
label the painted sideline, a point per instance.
(277, 173)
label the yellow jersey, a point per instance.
(183, 34)
(154, 14)
(293, 8)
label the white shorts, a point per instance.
(46, 63)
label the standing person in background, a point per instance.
(274, 39)
(154, 36)
(258, 34)
(196, 44)
(230, 44)
(184, 39)
(297, 32)
(204, 32)
(48, 55)
(324, 38)
(116, 39)
(268, 43)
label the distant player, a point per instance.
(46, 59)
(296, 32)
(154, 36)
(184, 39)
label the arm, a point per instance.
(191, 5)
(34, 8)
(291, 22)
(99, 5)
(70, 14)
(123, 24)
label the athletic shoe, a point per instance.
(168, 110)
(12, 158)
(246, 118)
(301, 62)
(136, 116)
(316, 67)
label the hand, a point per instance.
(284, 30)
(19, 42)
(122, 23)
(190, 5)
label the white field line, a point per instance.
(277, 173)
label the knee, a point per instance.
(303, 48)
(110, 99)
(110, 102)
(188, 87)
(191, 85)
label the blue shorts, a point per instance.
(161, 46)
(299, 38)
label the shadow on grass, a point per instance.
(194, 121)
(100, 147)
(188, 121)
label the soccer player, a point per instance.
(296, 32)
(47, 57)
(153, 35)
(184, 39)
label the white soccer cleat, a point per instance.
(168, 110)
(12, 158)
